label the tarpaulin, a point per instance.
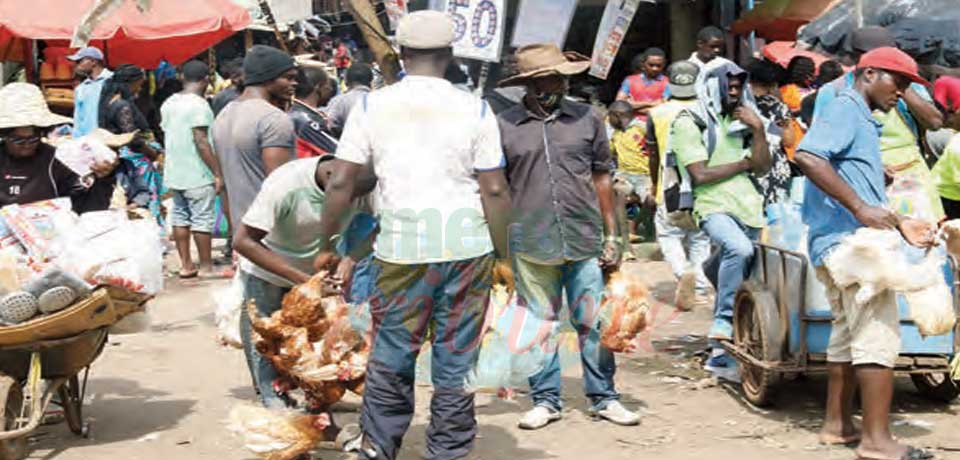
(927, 29)
(172, 30)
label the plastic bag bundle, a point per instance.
(110, 249)
(277, 434)
(513, 347)
(623, 313)
(229, 301)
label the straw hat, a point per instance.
(22, 104)
(541, 60)
(100, 135)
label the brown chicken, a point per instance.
(623, 314)
(312, 344)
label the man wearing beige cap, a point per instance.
(443, 204)
(564, 231)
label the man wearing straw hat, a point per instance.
(443, 206)
(31, 171)
(563, 234)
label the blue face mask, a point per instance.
(549, 101)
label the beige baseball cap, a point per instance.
(426, 30)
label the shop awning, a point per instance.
(780, 19)
(171, 30)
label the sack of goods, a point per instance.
(623, 313)
(50, 258)
(313, 344)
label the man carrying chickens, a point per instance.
(564, 232)
(841, 157)
(441, 199)
(278, 240)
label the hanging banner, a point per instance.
(613, 27)
(543, 21)
(479, 28)
(396, 9)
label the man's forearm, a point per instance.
(266, 259)
(653, 165)
(760, 153)
(497, 210)
(822, 174)
(927, 114)
(339, 195)
(604, 186)
(703, 175)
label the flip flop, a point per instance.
(912, 453)
(189, 275)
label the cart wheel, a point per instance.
(936, 386)
(69, 394)
(13, 449)
(755, 329)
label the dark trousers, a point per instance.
(445, 302)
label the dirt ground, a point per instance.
(164, 394)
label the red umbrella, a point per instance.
(783, 52)
(172, 30)
(780, 19)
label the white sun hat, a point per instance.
(22, 104)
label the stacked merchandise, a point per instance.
(50, 257)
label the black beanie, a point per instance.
(264, 63)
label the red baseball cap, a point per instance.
(892, 60)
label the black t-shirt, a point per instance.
(311, 128)
(43, 177)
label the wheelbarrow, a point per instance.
(782, 323)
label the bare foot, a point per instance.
(886, 450)
(839, 434)
(833, 439)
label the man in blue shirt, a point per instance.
(91, 66)
(841, 157)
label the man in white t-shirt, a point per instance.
(441, 195)
(279, 238)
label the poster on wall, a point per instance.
(396, 9)
(479, 28)
(613, 27)
(543, 21)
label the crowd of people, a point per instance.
(417, 197)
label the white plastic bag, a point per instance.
(80, 154)
(229, 301)
(932, 310)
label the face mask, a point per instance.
(549, 101)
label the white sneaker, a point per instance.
(616, 413)
(539, 417)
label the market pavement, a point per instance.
(164, 394)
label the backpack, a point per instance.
(677, 185)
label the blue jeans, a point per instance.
(268, 298)
(735, 242)
(540, 288)
(412, 303)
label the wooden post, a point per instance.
(366, 16)
(247, 40)
(272, 22)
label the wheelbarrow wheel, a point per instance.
(755, 327)
(13, 449)
(69, 394)
(936, 386)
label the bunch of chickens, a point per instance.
(623, 314)
(313, 345)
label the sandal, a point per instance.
(912, 453)
(189, 275)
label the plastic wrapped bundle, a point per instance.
(512, 348)
(277, 435)
(623, 313)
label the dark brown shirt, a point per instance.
(550, 166)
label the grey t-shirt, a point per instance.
(240, 133)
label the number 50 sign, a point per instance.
(479, 28)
